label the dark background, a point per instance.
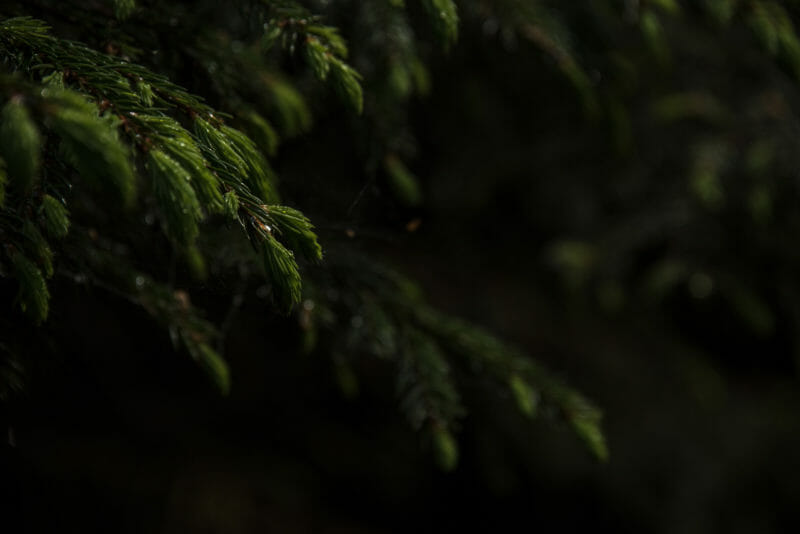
(120, 433)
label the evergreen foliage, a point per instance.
(271, 169)
(95, 141)
(100, 136)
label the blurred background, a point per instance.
(612, 187)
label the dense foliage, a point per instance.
(271, 177)
(98, 146)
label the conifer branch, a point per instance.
(189, 173)
(443, 15)
(390, 319)
(323, 49)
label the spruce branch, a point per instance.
(33, 296)
(56, 217)
(90, 143)
(443, 15)
(282, 269)
(189, 172)
(20, 144)
(387, 317)
(527, 379)
(123, 8)
(37, 247)
(171, 308)
(175, 196)
(323, 48)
